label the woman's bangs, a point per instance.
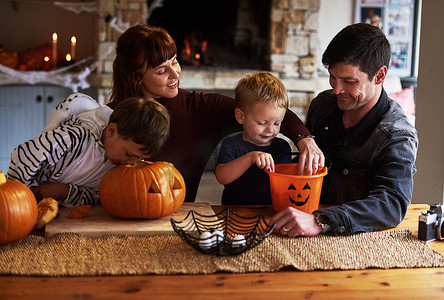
(164, 50)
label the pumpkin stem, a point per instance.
(2, 178)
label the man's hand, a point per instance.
(311, 158)
(56, 190)
(293, 222)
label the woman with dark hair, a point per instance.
(146, 66)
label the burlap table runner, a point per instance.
(75, 255)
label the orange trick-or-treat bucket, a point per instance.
(299, 191)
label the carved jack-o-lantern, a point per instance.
(145, 190)
(300, 191)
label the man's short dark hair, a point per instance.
(362, 45)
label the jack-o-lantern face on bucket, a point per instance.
(299, 191)
(299, 197)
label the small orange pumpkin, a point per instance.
(18, 210)
(31, 60)
(145, 190)
(8, 58)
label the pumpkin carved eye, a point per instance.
(177, 184)
(154, 188)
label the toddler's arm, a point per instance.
(229, 172)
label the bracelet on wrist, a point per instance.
(303, 136)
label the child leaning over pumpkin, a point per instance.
(261, 103)
(67, 162)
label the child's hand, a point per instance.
(262, 160)
(56, 190)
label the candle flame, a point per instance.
(73, 40)
(54, 36)
(68, 57)
(46, 58)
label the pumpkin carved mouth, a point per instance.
(299, 203)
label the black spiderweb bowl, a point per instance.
(240, 233)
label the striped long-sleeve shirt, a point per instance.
(72, 153)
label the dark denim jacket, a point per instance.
(371, 169)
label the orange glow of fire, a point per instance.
(204, 46)
(46, 58)
(187, 46)
(189, 52)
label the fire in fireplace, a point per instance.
(218, 33)
(194, 51)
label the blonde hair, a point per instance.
(258, 87)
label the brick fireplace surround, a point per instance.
(293, 47)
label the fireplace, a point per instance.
(229, 37)
(273, 35)
(218, 33)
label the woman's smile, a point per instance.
(174, 84)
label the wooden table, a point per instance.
(424, 283)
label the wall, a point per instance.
(27, 24)
(294, 38)
(333, 16)
(429, 180)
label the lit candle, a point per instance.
(46, 63)
(67, 60)
(73, 47)
(54, 49)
